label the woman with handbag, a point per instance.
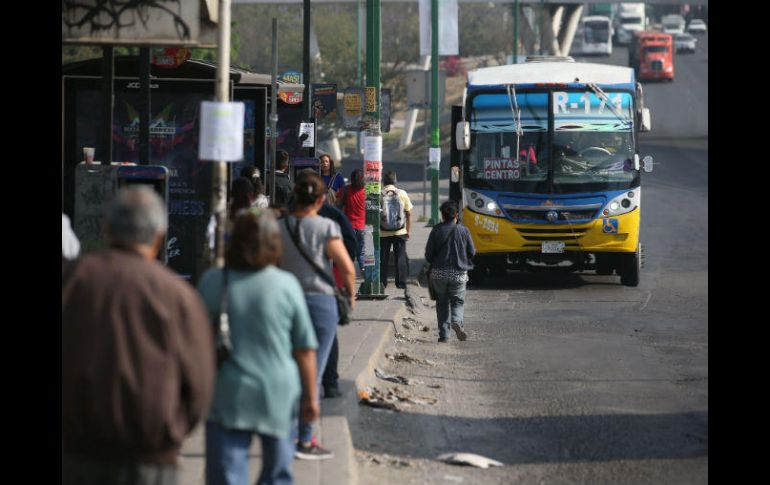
(449, 251)
(271, 357)
(331, 177)
(311, 243)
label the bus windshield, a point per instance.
(597, 32)
(592, 146)
(492, 160)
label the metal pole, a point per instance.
(108, 94)
(371, 288)
(144, 110)
(219, 179)
(425, 167)
(515, 31)
(359, 36)
(274, 109)
(306, 101)
(436, 138)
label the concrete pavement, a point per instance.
(361, 343)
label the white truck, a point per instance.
(629, 18)
(673, 24)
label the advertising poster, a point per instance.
(325, 101)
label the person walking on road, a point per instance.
(137, 353)
(319, 238)
(450, 252)
(273, 357)
(395, 227)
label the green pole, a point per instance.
(515, 30)
(371, 288)
(435, 156)
(359, 41)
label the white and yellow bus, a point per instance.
(546, 167)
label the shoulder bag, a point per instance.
(427, 267)
(343, 303)
(222, 325)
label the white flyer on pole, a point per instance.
(369, 259)
(221, 131)
(307, 129)
(434, 157)
(448, 44)
(373, 149)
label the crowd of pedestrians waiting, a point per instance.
(125, 316)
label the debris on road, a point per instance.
(391, 378)
(385, 459)
(468, 459)
(402, 357)
(375, 399)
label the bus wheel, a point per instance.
(631, 266)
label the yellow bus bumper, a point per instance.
(619, 234)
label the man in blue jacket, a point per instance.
(450, 251)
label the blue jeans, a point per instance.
(325, 316)
(227, 457)
(450, 304)
(360, 248)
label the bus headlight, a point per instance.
(623, 203)
(483, 205)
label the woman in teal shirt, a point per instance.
(274, 344)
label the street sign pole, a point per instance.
(435, 153)
(219, 180)
(371, 288)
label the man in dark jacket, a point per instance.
(450, 252)
(283, 185)
(137, 354)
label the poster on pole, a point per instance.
(448, 44)
(354, 107)
(324, 101)
(221, 131)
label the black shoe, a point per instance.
(330, 392)
(460, 331)
(401, 287)
(442, 340)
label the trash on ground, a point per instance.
(386, 459)
(404, 396)
(391, 378)
(424, 328)
(402, 357)
(434, 386)
(374, 398)
(468, 459)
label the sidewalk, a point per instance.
(361, 343)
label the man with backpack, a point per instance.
(395, 227)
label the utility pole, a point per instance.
(371, 288)
(273, 108)
(515, 31)
(219, 179)
(435, 151)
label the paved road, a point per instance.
(575, 378)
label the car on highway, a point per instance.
(684, 43)
(696, 26)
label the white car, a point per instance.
(697, 26)
(684, 43)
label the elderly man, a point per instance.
(137, 354)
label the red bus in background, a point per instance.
(651, 55)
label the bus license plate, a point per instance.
(552, 247)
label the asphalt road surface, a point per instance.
(574, 378)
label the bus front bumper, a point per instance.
(494, 235)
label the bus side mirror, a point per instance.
(646, 121)
(463, 135)
(647, 163)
